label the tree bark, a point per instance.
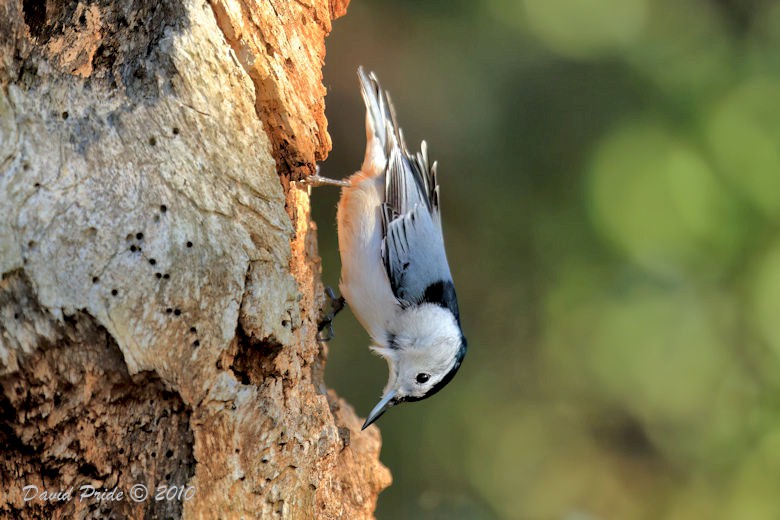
(160, 283)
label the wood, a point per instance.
(160, 278)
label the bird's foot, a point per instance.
(317, 180)
(336, 304)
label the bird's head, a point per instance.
(425, 347)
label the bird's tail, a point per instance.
(382, 132)
(410, 178)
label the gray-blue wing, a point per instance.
(414, 253)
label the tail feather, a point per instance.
(380, 114)
(409, 178)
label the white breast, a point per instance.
(364, 281)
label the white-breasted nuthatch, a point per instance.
(394, 271)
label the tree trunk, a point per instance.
(160, 280)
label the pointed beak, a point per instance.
(379, 409)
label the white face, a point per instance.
(425, 347)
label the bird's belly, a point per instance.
(364, 281)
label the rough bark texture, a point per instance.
(160, 279)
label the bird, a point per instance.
(395, 276)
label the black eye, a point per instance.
(422, 377)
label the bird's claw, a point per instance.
(336, 304)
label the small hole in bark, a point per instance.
(114, 292)
(193, 329)
(16, 315)
(83, 19)
(163, 208)
(189, 244)
(133, 248)
(37, 185)
(121, 451)
(175, 130)
(26, 166)
(152, 261)
(169, 454)
(177, 312)
(152, 141)
(196, 343)
(89, 470)
(158, 275)
(31, 244)
(65, 115)
(95, 279)
(166, 276)
(169, 310)
(154, 454)
(139, 236)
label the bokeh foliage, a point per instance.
(610, 177)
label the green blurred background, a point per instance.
(610, 177)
